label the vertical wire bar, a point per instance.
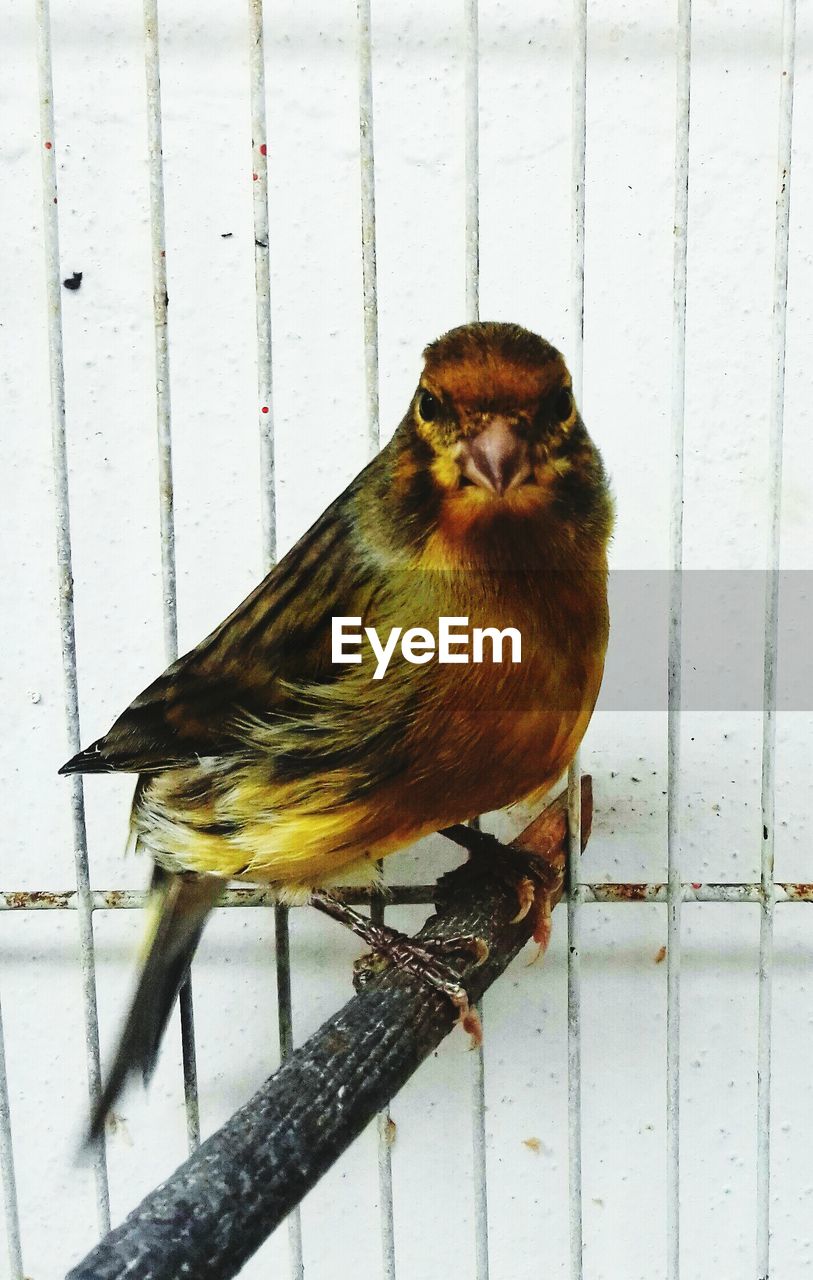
(674, 661)
(163, 415)
(472, 158)
(574, 795)
(10, 1205)
(65, 589)
(574, 1054)
(262, 279)
(282, 945)
(160, 316)
(190, 1070)
(368, 246)
(478, 1128)
(768, 784)
(386, 1207)
(268, 500)
(371, 377)
(471, 54)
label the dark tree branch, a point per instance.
(212, 1214)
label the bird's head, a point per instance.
(492, 414)
(493, 453)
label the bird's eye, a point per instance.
(428, 406)
(562, 404)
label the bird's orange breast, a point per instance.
(489, 734)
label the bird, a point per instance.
(261, 759)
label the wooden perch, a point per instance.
(211, 1215)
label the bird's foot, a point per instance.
(427, 960)
(534, 880)
(535, 897)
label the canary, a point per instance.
(261, 758)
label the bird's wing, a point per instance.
(278, 637)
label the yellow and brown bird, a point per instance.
(262, 759)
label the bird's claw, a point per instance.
(534, 881)
(469, 1020)
(526, 896)
(426, 960)
(543, 924)
(535, 896)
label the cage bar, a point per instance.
(471, 259)
(56, 368)
(768, 780)
(574, 1061)
(282, 946)
(166, 494)
(574, 813)
(268, 509)
(400, 895)
(163, 403)
(368, 247)
(10, 1204)
(262, 280)
(674, 659)
(478, 1130)
(371, 384)
(471, 55)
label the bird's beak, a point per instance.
(496, 459)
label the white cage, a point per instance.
(629, 1118)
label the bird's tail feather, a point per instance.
(178, 906)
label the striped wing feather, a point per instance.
(279, 635)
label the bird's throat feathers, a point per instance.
(563, 520)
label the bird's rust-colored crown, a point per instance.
(493, 366)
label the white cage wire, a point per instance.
(765, 892)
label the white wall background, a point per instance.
(319, 410)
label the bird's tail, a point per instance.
(178, 907)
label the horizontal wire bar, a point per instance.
(400, 895)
